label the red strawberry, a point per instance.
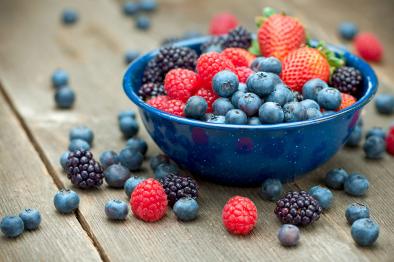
(211, 63)
(347, 100)
(180, 83)
(222, 23)
(209, 96)
(279, 35)
(238, 56)
(369, 47)
(302, 65)
(243, 73)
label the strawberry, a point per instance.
(304, 64)
(238, 56)
(347, 100)
(280, 34)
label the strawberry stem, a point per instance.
(334, 60)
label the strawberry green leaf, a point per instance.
(268, 11)
(254, 48)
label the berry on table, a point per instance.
(221, 106)
(130, 8)
(150, 90)
(209, 64)
(298, 208)
(335, 178)
(186, 209)
(11, 226)
(63, 160)
(83, 170)
(239, 215)
(329, 98)
(271, 113)
(271, 189)
(31, 218)
(209, 96)
(132, 159)
(356, 211)
(369, 47)
(347, 80)
(356, 185)
(236, 117)
(126, 113)
(116, 175)
(289, 235)
(180, 83)
(262, 83)
(130, 56)
(155, 161)
(225, 83)
(376, 131)
(355, 137)
(78, 144)
(64, 97)
(66, 201)
(384, 104)
(131, 183)
(59, 78)
(149, 201)
(108, 158)
(165, 169)
(347, 30)
(222, 23)
(374, 147)
(82, 132)
(312, 87)
(137, 144)
(390, 144)
(238, 37)
(69, 16)
(196, 107)
(116, 209)
(267, 64)
(293, 112)
(128, 126)
(365, 231)
(177, 187)
(323, 195)
(280, 95)
(142, 22)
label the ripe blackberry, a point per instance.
(298, 208)
(298, 97)
(347, 80)
(238, 37)
(83, 170)
(177, 187)
(215, 43)
(149, 90)
(169, 57)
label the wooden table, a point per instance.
(33, 134)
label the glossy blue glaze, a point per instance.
(243, 155)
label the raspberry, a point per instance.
(239, 215)
(238, 56)
(211, 63)
(149, 201)
(369, 47)
(158, 101)
(243, 72)
(174, 107)
(209, 96)
(180, 84)
(347, 100)
(222, 23)
(390, 144)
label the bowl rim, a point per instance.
(364, 67)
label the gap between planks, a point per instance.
(51, 171)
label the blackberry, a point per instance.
(149, 90)
(215, 43)
(83, 170)
(177, 187)
(238, 37)
(169, 57)
(347, 80)
(298, 97)
(298, 208)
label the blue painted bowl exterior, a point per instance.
(247, 155)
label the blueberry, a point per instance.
(267, 64)
(262, 83)
(142, 22)
(221, 106)
(254, 121)
(132, 159)
(355, 137)
(235, 98)
(59, 78)
(236, 117)
(271, 113)
(11, 226)
(148, 5)
(131, 183)
(82, 132)
(280, 95)
(196, 107)
(360, 122)
(335, 178)
(309, 103)
(365, 231)
(69, 16)
(293, 112)
(374, 147)
(164, 170)
(288, 235)
(116, 209)
(312, 88)
(31, 218)
(347, 30)
(64, 97)
(214, 119)
(356, 185)
(63, 159)
(128, 126)
(66, 201)
(249, 103)
(108, 158)
(186, 209)
(329, 98)
(323, 195)
(130, 56)
(271, 189)
(78, 144)
(225, 83)
(356, 211)
(137, 144)
(157, 160)
(130, 8)
(116, 175)
(384, 104)
(376, 131)
(313, 113)
(242, 87)
(126, 113)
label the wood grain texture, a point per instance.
(91, 51)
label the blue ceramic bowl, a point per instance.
(242, 155)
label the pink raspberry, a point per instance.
(239, 215)
(180, 83)
(369, 47)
